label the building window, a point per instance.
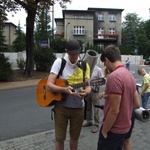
(112, 17)
(79, 30)
(100, 32)
(101, 45)
(100, 17)
(78, 16)
(112, 30)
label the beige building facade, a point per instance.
(96, 26)
(9, 33)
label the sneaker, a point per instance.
(87, 124)
(95, 129)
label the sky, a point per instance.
(140, 7)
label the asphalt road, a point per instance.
(21, 115)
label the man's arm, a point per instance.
(112, 113)
(136, 100)
(86, 91)
(54, 88)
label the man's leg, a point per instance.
(127, 144)
(145, 100)
(112, 142)
(61, 122)
(89, 113)
(59, 145)
(95, 101)
(73, 144)
(76, 121)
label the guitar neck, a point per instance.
(94, 82)
(78, 85)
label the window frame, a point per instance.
(112, 17)
(79, 30)
(100, 17)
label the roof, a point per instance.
(107, 9)
(10, 23)
(78, 11)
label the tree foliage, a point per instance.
(135, 34)
(19, 43)
(5, 68)
(3, 15)
(43, 29)
(2, 39)
(32, 8)
(130, 30)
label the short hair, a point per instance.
(112, 53)
(140, 70)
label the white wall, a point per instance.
(135, 59)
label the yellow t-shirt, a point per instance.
(146, 79)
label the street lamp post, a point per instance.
(66, 29)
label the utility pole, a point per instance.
(53, 28)
(66, 29)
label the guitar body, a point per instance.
(45, 97)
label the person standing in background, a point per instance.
(128, 63)
(92, 112)
(145, 93)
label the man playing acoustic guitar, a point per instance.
(71, 108)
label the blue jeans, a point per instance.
(144, 99)
(128, 66)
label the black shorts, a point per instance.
(132, 125)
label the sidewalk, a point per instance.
(88, 141)
(18, 84)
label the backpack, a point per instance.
(80, 64)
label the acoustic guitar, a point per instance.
(47, 98)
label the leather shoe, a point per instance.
(87, 124)
(95, 129)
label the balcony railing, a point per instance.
(107, 35)
(59, 35)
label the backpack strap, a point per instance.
(83, 68)
(63, 63)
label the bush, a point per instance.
(21, 63)
(5, 68)
(43, 58)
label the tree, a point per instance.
(32, 8)
(43, 29)
(147, 31)
(2, 39)
(134, 34)
(129, 30)
(19, 42)
(3, 15)
(3, 18)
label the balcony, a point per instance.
(108, 37)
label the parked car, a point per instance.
(147, 61)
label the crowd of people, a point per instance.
(120, 94)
